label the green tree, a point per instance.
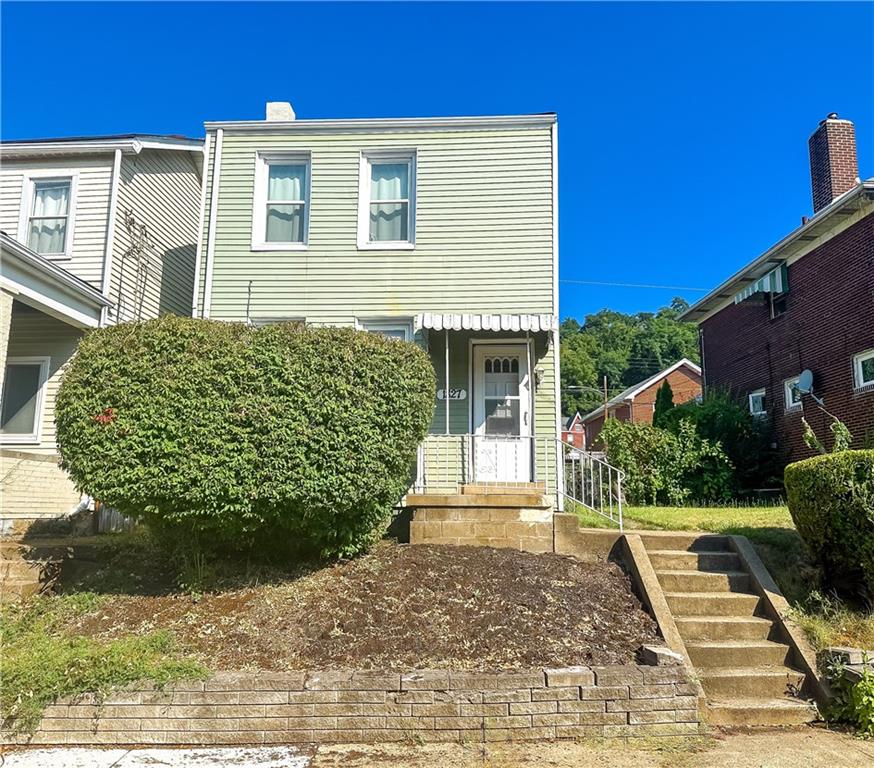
(663, 403)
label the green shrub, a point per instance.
(853, 702)
(831, 500)
(742, 436)
(662, 467)
(218, 432)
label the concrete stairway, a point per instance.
(20, 577)
(744, 668)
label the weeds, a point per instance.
(40, 664)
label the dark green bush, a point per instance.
(743, 437)
(224, 433)
(831, 500)
(665, 468)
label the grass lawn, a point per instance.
(770, 529)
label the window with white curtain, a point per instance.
(280, 218)
(387, 209)
(23, 395)
(48, 229)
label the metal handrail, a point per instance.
(575, 477)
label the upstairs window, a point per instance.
(23, 394)
(387, 209)
(49, 211)
(791, 394)
(280, 219)
(758, 403)
(863, 369)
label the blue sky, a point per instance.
(682, 127)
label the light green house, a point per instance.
(440, 230)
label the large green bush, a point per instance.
(224, 432)
(831, 500)
(665, 468)
(743, 437)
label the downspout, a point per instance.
(106, 278)
(556, 361)
(200, 220)
(446, 390)
(213, 215)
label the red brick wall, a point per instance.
(685, 384)
(829, 318)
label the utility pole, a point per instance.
(605, 399)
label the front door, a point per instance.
(501, 413)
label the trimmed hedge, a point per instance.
(831, 500)
(226, 432)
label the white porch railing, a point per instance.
(573, 476)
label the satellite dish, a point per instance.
(805, 382)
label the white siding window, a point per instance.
(280, 215)
(48, 206)
(393, 329)
(863, 369)
(758, 404)
(791, 394)
(23, 396)
(387, 200)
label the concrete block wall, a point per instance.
(33, 486)
(529, 530)
(367, 706)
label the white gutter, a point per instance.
(772, 254)
(200, 217)
(556, 358)
(106, 282)
(86, 146)
(385, 124)
(213, 215)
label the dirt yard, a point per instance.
(401, 607)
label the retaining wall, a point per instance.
(354, 707)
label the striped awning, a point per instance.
(775, 281)
(478, 322)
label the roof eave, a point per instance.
(730, 286)
(15, 149)
(385, 124)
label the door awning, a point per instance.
(479, 322)
(775, 281)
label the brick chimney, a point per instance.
(833, 166)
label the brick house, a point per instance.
(804, 304)
(574, 432)
(637, 403)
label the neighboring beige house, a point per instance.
(439, 230)
(95, 231)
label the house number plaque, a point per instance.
(454, 394)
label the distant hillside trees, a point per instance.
(623, 347)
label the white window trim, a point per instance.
(858, 359)
(35, 437)
(756, 393)
(379, 324)
(384, 156)
(27, 191)
(787, 395)
(259, 200)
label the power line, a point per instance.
(635, 285)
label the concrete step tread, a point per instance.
(708, 553)
(725, 619)
(746, 703)
(693, 573)
(734, 644)
(775, 671)
(714, 595)
(488, 500)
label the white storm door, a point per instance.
(501, 413)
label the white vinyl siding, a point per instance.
(483, 229)
(89, 209)
(161, 189)
(36, 335)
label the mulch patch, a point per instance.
(404, 607)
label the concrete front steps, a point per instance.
(515, 515)
(744, 668)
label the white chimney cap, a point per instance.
(279, 112)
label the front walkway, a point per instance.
(808, 747)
